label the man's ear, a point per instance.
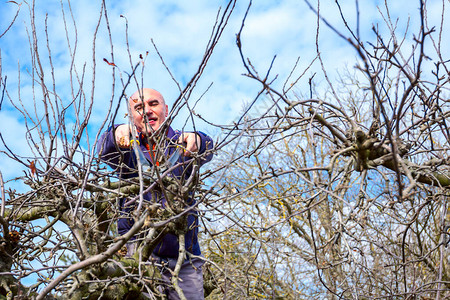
(167, 110)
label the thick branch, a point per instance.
(99, 258)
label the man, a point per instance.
(149, 111)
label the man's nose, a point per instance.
(148, 110)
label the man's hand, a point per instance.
(122, 134)
(193, 142)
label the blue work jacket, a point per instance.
(168, 247)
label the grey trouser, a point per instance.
(190, 279)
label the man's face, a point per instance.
(148, 110)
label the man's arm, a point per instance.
(109, 145)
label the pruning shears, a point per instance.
(173, 159)
(170, 162)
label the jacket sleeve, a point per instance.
(119, 160)
(206, 146)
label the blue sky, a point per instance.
(180, 30)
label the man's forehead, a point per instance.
(146, 95)
(141, 98)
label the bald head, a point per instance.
(148, 109)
